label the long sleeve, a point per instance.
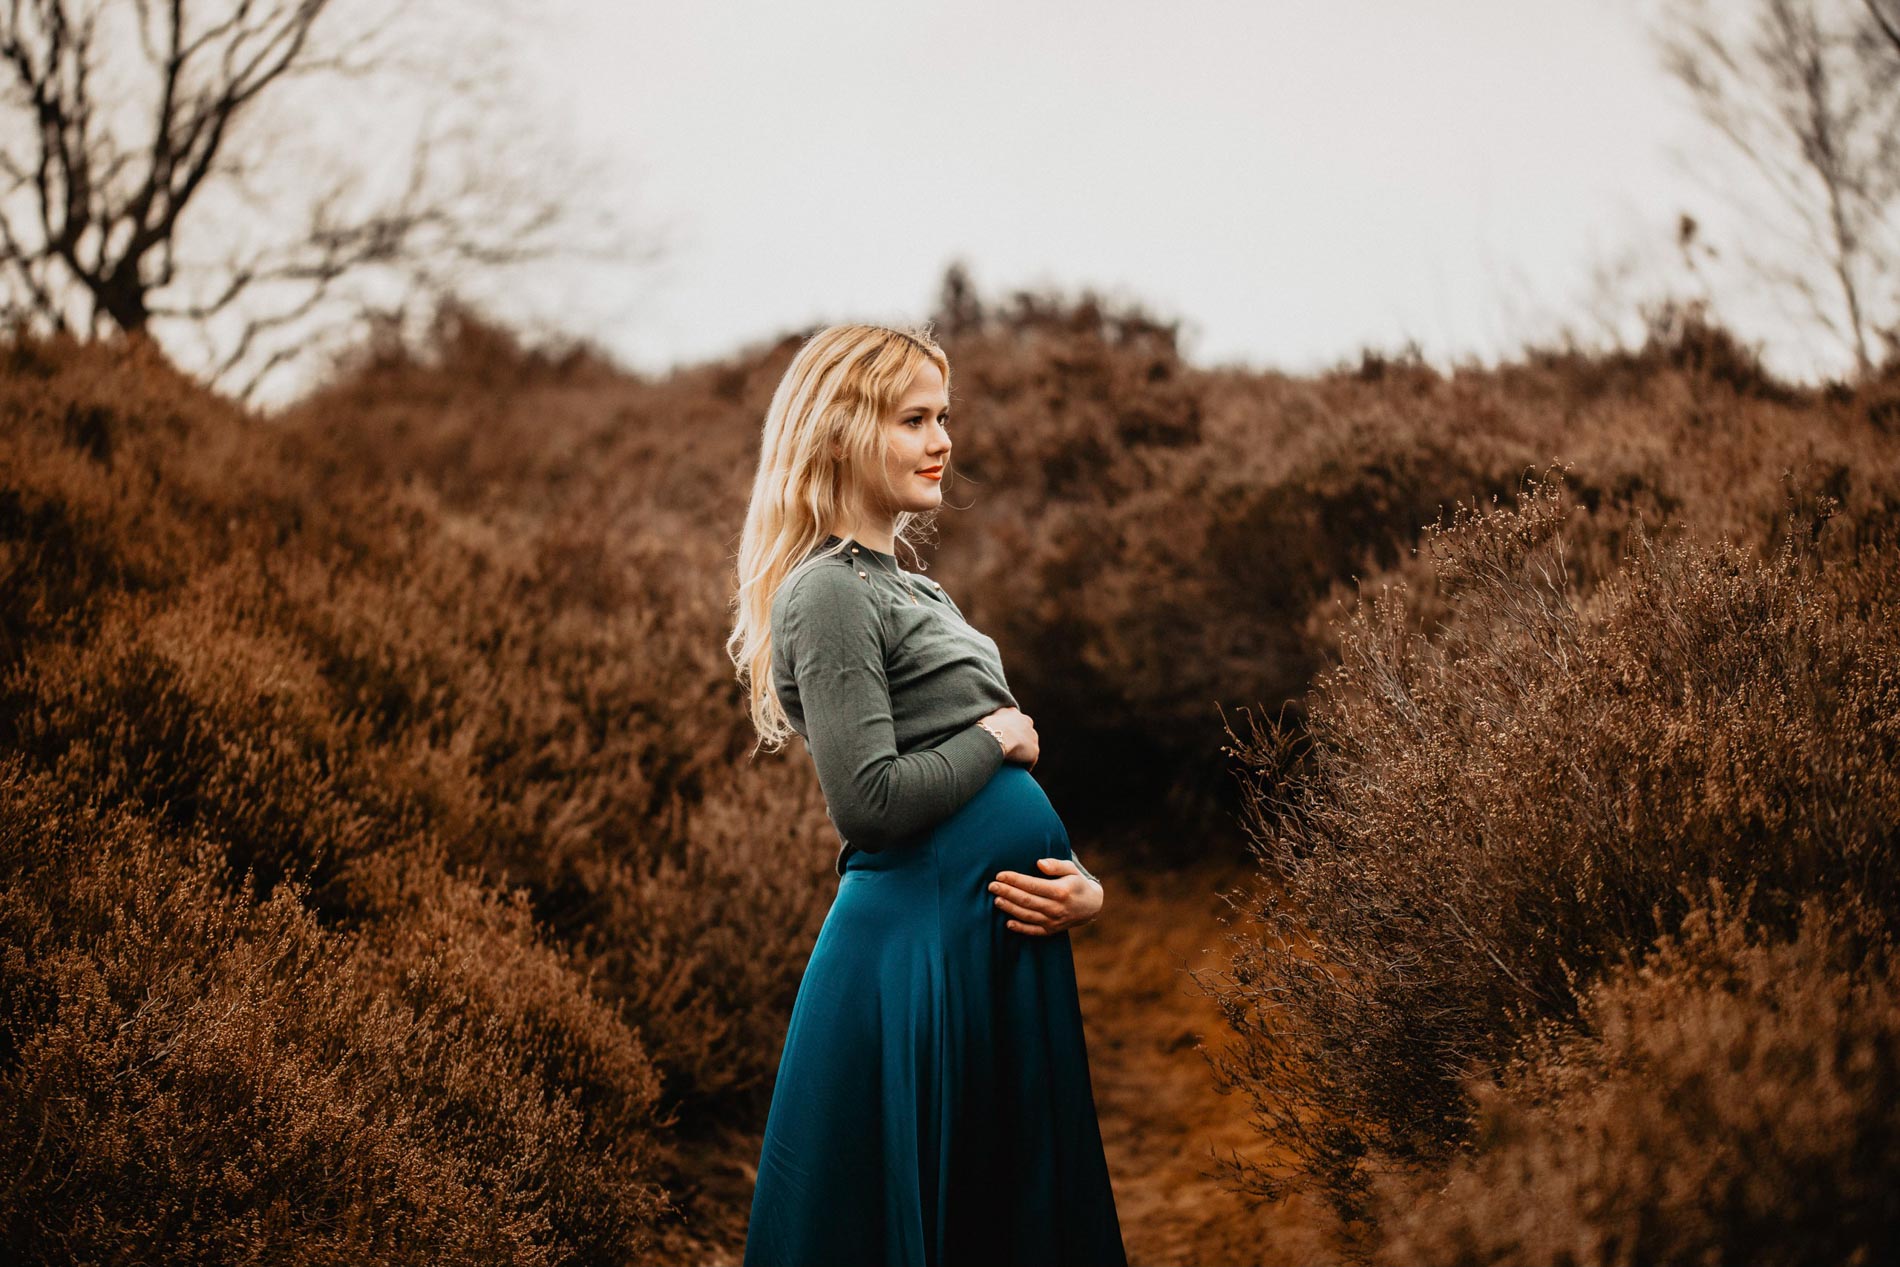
(1073, 856)
(835, 639)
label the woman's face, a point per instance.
(918, 441)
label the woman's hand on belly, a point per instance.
(1016, 732)
(1040, 906)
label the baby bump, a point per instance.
(1005, 827)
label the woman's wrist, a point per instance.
(993, 732)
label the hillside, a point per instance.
(378, 810)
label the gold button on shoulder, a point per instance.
(865, 577)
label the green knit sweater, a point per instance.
(885, 680)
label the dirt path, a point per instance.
(1162, 1120)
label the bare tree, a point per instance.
(1808, 92)
(1889, 24)
(121, 126)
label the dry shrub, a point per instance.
(1729, 1099)
(476, 761)
(678, 940)
(1149, 541)
(548, 1092)
(454, 626)
(207, 721)
(1146, 540)
(196, 1075)
(1496, 810)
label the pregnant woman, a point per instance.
(933, 1103)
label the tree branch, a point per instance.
(1887, 25)
(99, 222)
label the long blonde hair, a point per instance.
(837, 391)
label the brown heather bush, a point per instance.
(193, 1075)
(1731, 1099)
(1149, 541)
(1146, 540)
(1495, 811)
(362, 727)
(447, 636)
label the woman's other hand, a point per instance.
(1040, 906)
(1018, 732)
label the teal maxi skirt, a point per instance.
(933, 1106)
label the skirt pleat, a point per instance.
(933, 1105)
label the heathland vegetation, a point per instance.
(385, 870)
(1587, 894)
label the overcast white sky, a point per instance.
(1294, 179)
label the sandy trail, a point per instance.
(1163, 1121)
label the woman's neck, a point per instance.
(880, 536)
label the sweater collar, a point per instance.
(859, 551)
